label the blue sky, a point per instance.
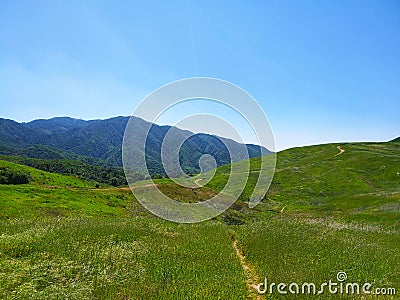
(323, 71)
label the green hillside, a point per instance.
(49, 194)
(39, 177)
(101, 173)
(361, 182)
(353, 181)
(397, 140)
(331, 208)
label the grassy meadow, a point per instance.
(62, 237)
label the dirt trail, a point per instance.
(111, 189)
(122, 188)
(340, 149)
(197, 181)
(252, 279)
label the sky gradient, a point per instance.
(323, 71)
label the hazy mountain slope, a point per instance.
(102, 139)
(56, 125)
(16, 134)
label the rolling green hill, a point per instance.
(39, 177)
(49, 194)
(356, 181)
(396, 140)
(361, 181)
(101, 173)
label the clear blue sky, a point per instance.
(323, 71)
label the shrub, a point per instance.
(10, 176)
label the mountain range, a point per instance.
(99, 142)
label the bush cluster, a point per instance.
(10, 176)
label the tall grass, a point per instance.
(139, 258)
(287, 249)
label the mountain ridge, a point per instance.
(67, 137)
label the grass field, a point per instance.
(65, 238)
